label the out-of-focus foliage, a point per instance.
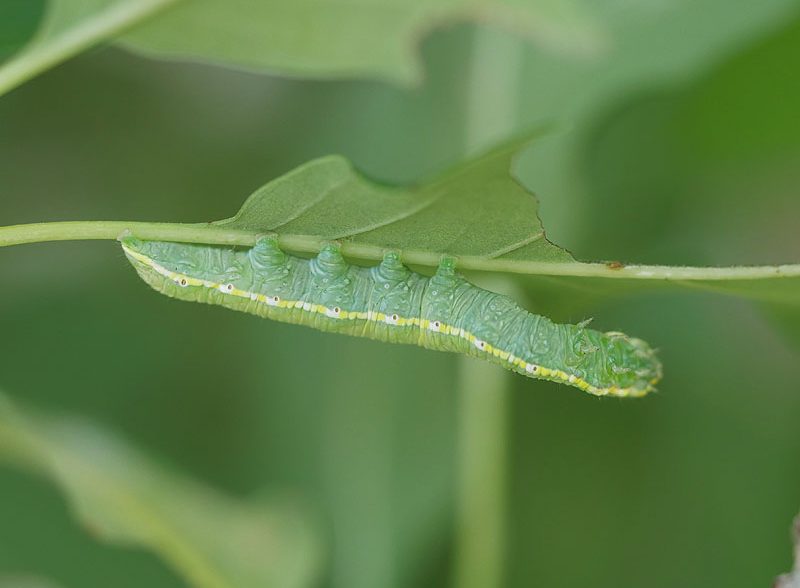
(346, 39)
(657, 48)
(19, 19)
(676, 146)
(212, 541)
(42, 33)
(299, 38)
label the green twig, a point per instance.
(217, 235)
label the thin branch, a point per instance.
(216, 235)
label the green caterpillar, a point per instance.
(391, 303)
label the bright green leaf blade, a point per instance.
(69, 27)
(378, 38)
(477, 209)
(211, 540)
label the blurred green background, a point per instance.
(696, 162)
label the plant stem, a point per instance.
(92, 230)
(218, 235)
(483, 414)
(46, 51)
(481, 513)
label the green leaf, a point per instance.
(378, 38)
(476, 210)
(212, 540)
(299, 38)
(67, 28)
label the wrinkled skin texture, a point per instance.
(390, 303)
